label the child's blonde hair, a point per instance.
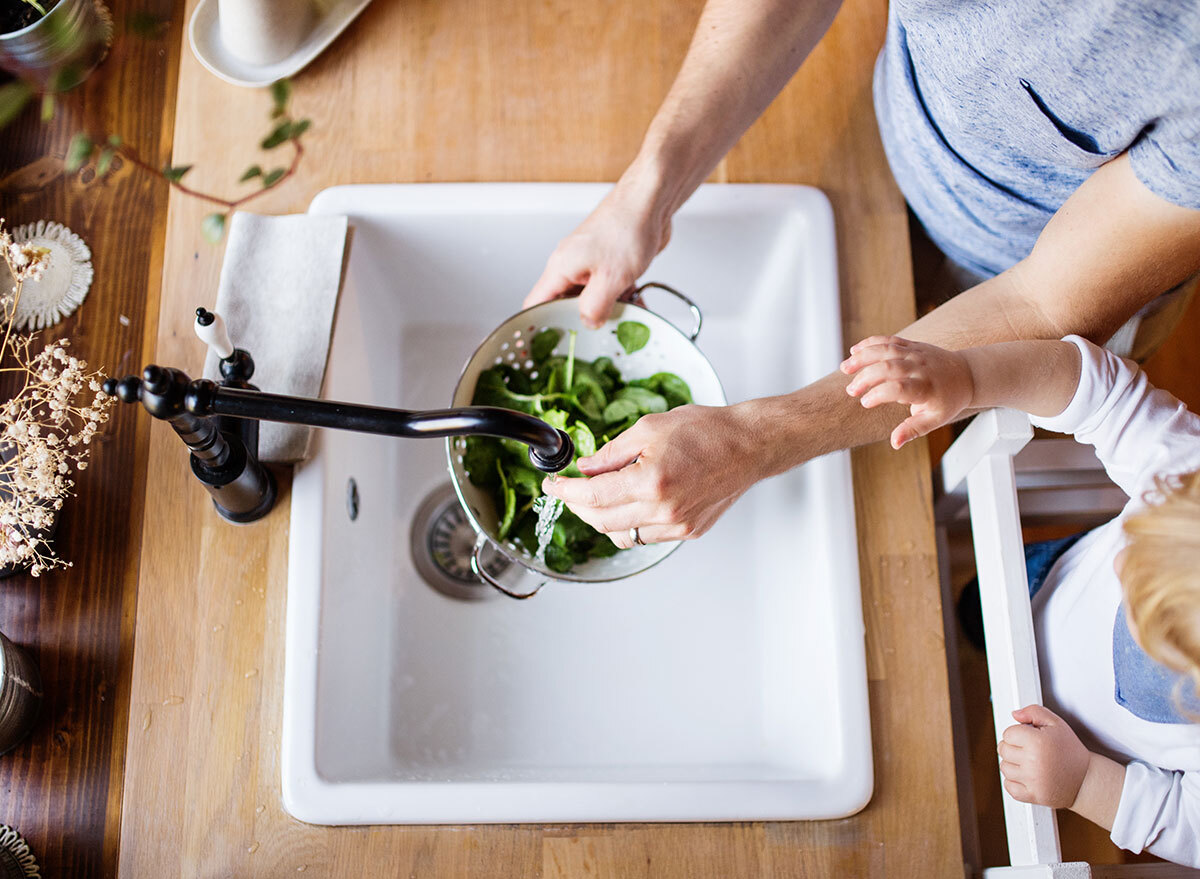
(1160, 573)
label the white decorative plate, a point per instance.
(65, 282)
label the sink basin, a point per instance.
(727, 683)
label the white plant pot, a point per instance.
(264, 31)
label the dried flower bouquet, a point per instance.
(45, 428)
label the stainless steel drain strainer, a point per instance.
(441, 541)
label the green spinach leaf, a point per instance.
(668, 385)
(619, 410)
(543, 344)
(646, 400)
(632, 335)
(510, 504)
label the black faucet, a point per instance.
(219, 424)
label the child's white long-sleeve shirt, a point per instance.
(1095, 680)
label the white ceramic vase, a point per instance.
(263, 32)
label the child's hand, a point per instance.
(934, 383)
(1042, 760)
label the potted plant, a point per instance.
(53, 43)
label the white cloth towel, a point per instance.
(278, 291)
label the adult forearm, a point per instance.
(815, 420)
(822, 418)
(742, 54)
(1038, 377)
(1112, 248)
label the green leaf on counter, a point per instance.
(213, 227)
(281, 92)
(250, 173)
(13, 98)
(632, 335)
(174, 173)
(104, 163)
(69, 75)
(273, 177)
(298, 128)
(279, 134)
(78, 152)
(146, 24)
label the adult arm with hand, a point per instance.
(1110, 249)
(742, 53)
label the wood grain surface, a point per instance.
(62, 786)
(526, 90)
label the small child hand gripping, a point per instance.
(1117, 619)
(939, 385)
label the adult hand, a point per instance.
(605, 256)
(934, 383)
(671, 475)
(1042, 759)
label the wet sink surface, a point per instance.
(727, 683)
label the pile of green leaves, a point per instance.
(592, 403)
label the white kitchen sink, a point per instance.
(727, 683)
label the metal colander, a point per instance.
(669, 350)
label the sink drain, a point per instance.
(441, 541)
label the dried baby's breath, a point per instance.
(46, 428)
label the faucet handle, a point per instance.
(237, 366)
(211, 330)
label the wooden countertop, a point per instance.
(460, 91)
(61, 787)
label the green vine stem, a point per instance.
(84, 147)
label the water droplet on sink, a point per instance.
(218, 627)
(173, 700)
(258, 810)
(252, 673)
(146, 720)
(239, 602)
(252, 848)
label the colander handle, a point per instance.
(481, 543)
(695, 309)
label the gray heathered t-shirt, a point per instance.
(993, 112)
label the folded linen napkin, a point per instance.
(277, 295)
